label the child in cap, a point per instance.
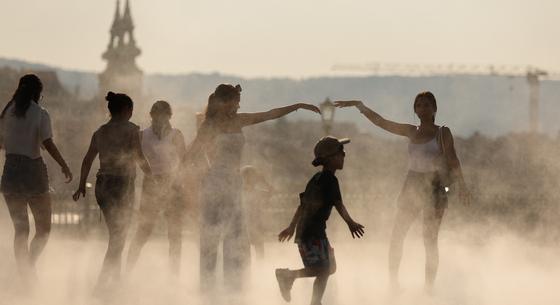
(309, 222)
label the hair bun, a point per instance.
(110, 96)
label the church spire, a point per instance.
(116, 21)
(127, 18)
(121, 74)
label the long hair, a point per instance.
(29, 89)
(426, 95)
(160, 128)
(224, 93)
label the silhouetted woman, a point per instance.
(24, 128)
(164, 147)
(221, 139)
(118, 144)
(431, 153)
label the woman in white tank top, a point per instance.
(164, 148)
(431, 152)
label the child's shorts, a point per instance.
(316, 252)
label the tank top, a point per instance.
(162, 154)
(424, 157)
(115, 143)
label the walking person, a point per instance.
(322, 193)
(25, 127)
(221, 139)
(433, 163)
(164, 148)
(118, 144)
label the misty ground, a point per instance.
(476, 267)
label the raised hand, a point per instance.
(287, 234)
(356, 229)
(343, 104)
(309, 107)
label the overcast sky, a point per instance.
(295, 38)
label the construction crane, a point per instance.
(532, 74)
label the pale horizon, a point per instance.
(289, 39)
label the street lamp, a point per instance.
(327, 115)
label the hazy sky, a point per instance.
(286, 37)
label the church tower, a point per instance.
(122, 74)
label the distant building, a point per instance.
(122, 74)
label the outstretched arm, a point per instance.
(356, 229)
(86, 167)
(393, 127)
(53, 151)
(454, 164)
(259, 117)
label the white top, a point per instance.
(162, 154)
(25, 135)
(424, 157)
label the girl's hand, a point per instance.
(309, 107)
(287, 234)
(67, 173)
(343, 104)
(356, 229)
(81, 191)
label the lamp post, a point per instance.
(327, 115)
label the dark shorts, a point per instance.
(24, 176)
(423, 191)
(316, 252)
(114, 191)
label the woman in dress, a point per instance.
(220, 139)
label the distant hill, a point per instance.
(492, 105)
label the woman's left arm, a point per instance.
(247, 119)
(454, 165)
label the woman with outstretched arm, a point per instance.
(220, 138)
(433, 163)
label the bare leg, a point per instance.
(432, 222)
(41, 209)
(116, 218)
(403, 221)
(175, 235)
(145, 228)
(17, 207)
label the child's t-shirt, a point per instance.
(321, 194)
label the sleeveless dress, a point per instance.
(222, 215)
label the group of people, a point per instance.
(164, 158)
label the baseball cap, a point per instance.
(327, 147)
